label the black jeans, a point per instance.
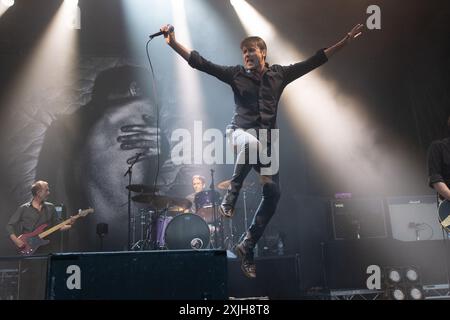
(267, 207)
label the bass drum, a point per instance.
(187, 231)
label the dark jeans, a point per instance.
(266, 209)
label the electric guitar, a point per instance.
(444, 214)
(34, 240)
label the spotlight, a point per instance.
(403, 283)
(397, 294)
(411, 274)
(416, 293)
(8, 3)
(394, 276)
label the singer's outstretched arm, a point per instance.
(171, 41)
(355, 32)
(195, 60)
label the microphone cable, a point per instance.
(155, 95)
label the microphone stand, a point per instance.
(211, 187)
(129, 172)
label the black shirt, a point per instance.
(439, 162)
(256, 99)
(27, 218)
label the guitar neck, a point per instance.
(55, 228)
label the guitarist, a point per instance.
(33, 214)
(439, 165)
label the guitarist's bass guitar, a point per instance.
(34, 240)
(444, 214)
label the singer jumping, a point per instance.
(257, 88)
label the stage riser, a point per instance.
(161, 275)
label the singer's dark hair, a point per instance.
(251, 41)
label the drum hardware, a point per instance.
(129, 172)
(144, 243)
(246, 188)
(164, 229)
(216, 222)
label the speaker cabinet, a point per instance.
(358, 218)
(414, 218)
(161, 275)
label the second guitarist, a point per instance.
(33, 214)
(439, 165)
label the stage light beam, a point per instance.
(185, 74)
(337, 130)
(72, 14)
(5, 5)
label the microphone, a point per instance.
(171, 29)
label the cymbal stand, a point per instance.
(141, 243)
(129, 172)
(216, 223)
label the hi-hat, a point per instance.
(142, 188)
(162, 202)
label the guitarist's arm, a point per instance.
(18, 242)
(12, 225)
(55, 220)
(69, 224)
(442, 189)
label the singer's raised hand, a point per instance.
(169, 33)
(140, 136)
(355, 32)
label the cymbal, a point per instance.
(226, 183)
(161, 202)
(177, 209)
(142, 188)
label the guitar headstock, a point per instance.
(84, 213)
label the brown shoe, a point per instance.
(248, 265)
(226, 210)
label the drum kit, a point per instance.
(171, 223)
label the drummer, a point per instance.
(198, 184)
